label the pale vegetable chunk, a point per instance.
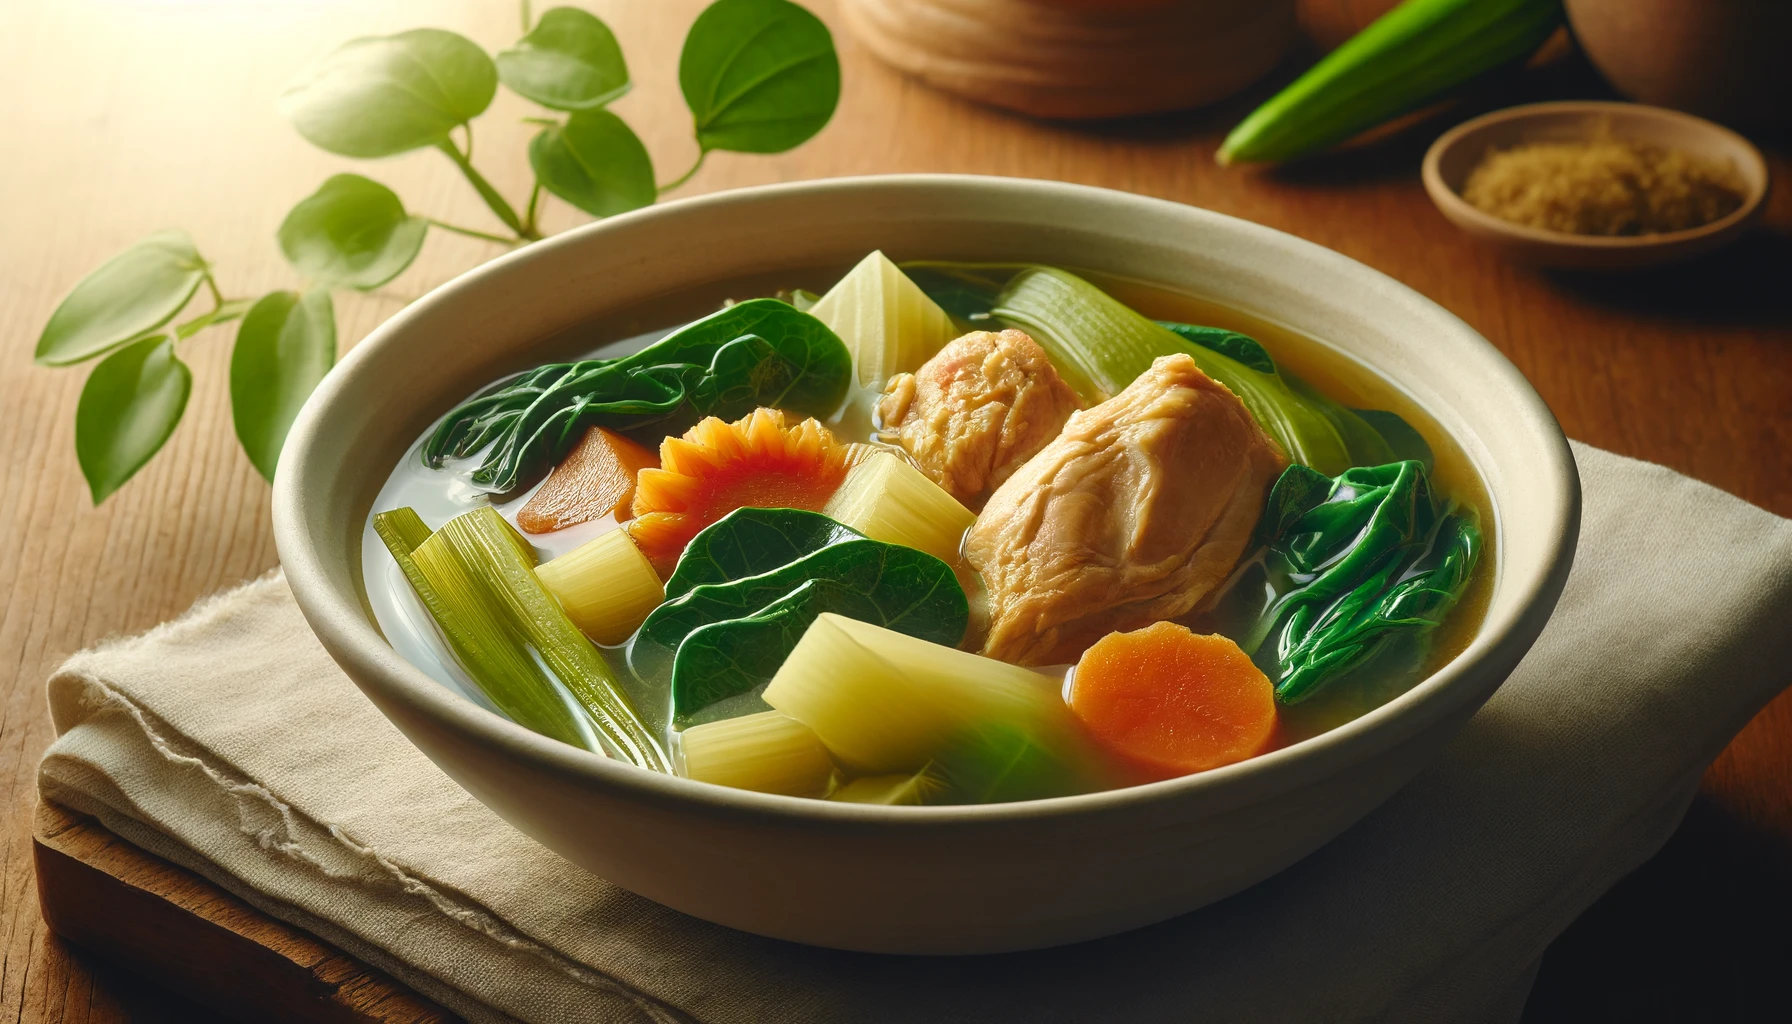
(768, 752)
(1137, 511)
(889, 325)
(977, 410)
(884, 702)
(606, 585)
(887, 499)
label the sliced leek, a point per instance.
(769, 752)
(480, 637)
(885, 498)
(475, 561)
(898, 790)
(884, 702)
(606, 586)
(888, 323)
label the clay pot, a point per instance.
(1724, 59)
(1079, 58)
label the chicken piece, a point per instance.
(1139, 509)
(971, 415)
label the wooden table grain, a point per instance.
(124, 116)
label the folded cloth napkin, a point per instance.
(229, 742)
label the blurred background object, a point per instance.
(1078, 59)
(1723, 59)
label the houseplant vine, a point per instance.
(759, 76)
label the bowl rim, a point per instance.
(1451, 202)
(363, 653)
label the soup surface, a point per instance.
(950, 533)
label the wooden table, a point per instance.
(125, 116)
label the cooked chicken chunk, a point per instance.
(971, 415)
(1132, 515)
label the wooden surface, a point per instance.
(171, 925)
(125, 116)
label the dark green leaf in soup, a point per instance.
(753, 541)
(726, 636)
(1354, 564)
(1241, 347)
(754, 353)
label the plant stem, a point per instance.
(493, 200)
(470, 233)
(217, 296)
(534, 206)
(527, 21)
(686, 176)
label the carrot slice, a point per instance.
(1171, 701)
(595, 479)
(717, 467)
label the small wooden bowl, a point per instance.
(1460, 150)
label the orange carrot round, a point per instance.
(1171, 701)
(596, 479)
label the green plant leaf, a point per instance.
(757, 352)
(381, 95)
(352, 232)
(760, 76)
(595, 162)
(568, 61)
(285, 346)
(134, 292)
(129, 406)
(726, 636)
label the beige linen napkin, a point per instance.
(229, 742)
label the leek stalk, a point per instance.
(480, 638)
(768, 752)
(1408, 57)
(885, 498)
(477, 563)
(1101, 345)
(889, 325)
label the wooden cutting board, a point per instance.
(181, 932)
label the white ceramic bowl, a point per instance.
(906, 879)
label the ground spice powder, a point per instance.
(1602, 186)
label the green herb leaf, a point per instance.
(382, 95)
(595, 162)
(1241, 347)
(568, 61)
(529, 423)
(732, 635)
(136, 291)
(760, 76)
(285, 346)
(352, 233)
(756, 540)
(128, 408)
(1356, 563)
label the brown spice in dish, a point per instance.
(1603, 186)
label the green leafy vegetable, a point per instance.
(756, 541)
(1241, 347)
(1406, 443)
(382, 95)
(997, 762)
(761, 352)
(136, 291)
(568, 61)
(128, 408)
(595, 162)
(352, 232)
(1355, 563)
(726, 637)
(285, 346)
(760, 76)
